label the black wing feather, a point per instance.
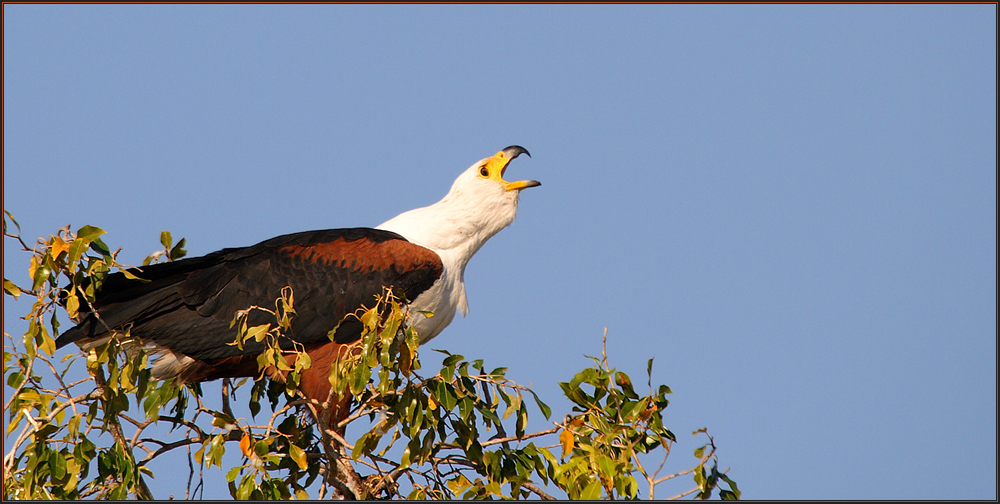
(187, 305)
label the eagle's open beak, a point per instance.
(502, 159)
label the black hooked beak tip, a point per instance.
(510, 153)
(515, 150)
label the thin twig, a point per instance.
(187, 491)
(226, 407)
(139, 427)
(80, 398)
(274, 416)
(60, 379)
(27, 376)
(680, 495)
(339, 439)
(682, 473)
(116, 432)
(233, 435)
(538, 491)
(526, 436)
(604, 349)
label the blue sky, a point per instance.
(792, 208)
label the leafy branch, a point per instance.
(93, 425)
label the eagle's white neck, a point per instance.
(472, 212)
(455, 228)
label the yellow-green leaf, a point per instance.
(298, 456)
(11, 289)
(72, 305)
(592, 492)
(280, 362)
(302, 361)
(404, 461)
(76, 250)
(15, 423)
(258, 332)
(33, 267)
(89, 233)
(58, 246)
(48, 345)
(131, 276)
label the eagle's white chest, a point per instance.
(442, 300)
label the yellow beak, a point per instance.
(497, 165)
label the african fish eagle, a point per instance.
(183, 310)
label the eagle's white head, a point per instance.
(479, 204)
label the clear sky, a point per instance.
(792, 208)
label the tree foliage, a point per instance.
(91, 425)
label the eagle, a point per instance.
(182, 310)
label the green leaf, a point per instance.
(40, 276)
(12, 219)
(574, 393)
(360, 379)
(625, 383)
(489, 415)
(451, 359)
(359, 446)
(732, 485)
(178, 251)
(628, 410)
(546, 410)
(76, 250)
(234, 472)
(261, 448)
(522, 420)
(607, 466)
(593, 491)
(465, 408)
(246, 488)
(57, 465)
(89, 233)
(98, 246)
(445, 395)
(699, 478)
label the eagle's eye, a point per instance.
(484, 171)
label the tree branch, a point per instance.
(522, 438)
(538, 491)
